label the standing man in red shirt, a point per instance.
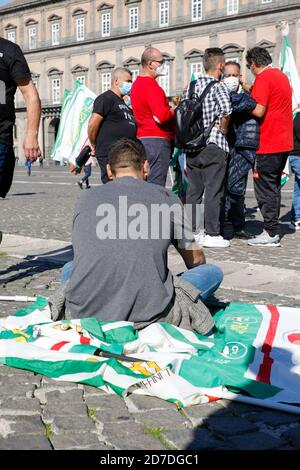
(273, 94)
(155, 119)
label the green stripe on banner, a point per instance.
(122, 335)
(53, 369)
(39, 304)
(176, 334)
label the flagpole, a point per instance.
(17, 298)
(257, 402)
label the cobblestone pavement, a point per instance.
(39, 413)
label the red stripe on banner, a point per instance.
(264, 372)
(58, 346)
(84, 340)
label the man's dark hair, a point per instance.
(212, 57)
(259, 56)
(126, 153)
(233, 62)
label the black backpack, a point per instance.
(190, 135)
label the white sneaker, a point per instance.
(295, 225)
(199, 237)
(264, 239)
(215, 242)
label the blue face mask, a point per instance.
(125, 88)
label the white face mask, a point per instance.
(161, 69)
(232, 83)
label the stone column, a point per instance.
(179, 8)
(44, 82)
(119, 56)
(94, 19)
(120, 11)
(213, 40)
(21, 38)
(277, 49)
(42, 38)
(68, 73)
(69, 19)
(92, 82)
(179, 67)
(251, 40)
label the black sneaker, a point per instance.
(80, 184)
(243, 234)
(88, 186)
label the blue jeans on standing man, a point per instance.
(295, 166)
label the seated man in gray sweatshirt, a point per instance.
(121, 235)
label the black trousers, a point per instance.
(7, 166)
(102, 161)
(206, 171)
(267, 188)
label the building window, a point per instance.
(105, 24)
(55, 34)
(81, 79)
(196, 69)
(105, 79)
(32, 38)
(163, 13)
(55, 85)
(232, 7)
(80, 29)
(196, 10)
(133, 19)
(164, 81)
(11, 36)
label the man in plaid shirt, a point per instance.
(206, 170)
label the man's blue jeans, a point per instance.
(7, 165)
(206, 277)
(295, 165)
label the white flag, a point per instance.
(288, 66)
(72, 132)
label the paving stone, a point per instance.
(21, 425)
(19, 390)
(293, 436)
(198, 413)
(149, 403)
(73, 440)
(113, 415)
(167, 419)
(274, 419)
(255, 441)
(19, 406)
(100, 446)
(67, 424)
(25, 443)
(240, 409)
(64, 408)
(63, 395)
(130, 436)
(229, 425)
(105, 402)
(89, 390)
(192, 439)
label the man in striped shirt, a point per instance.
(206, 170)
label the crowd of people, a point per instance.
(117, 276)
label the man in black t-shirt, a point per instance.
(111, 119)
(14, 72)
